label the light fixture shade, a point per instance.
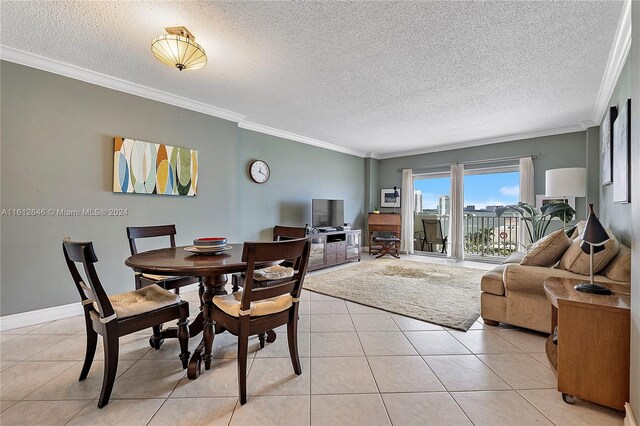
(594, 234)
(570, 181)
(178, 51)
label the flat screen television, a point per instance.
(327, 213)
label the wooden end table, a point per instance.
(591, 357)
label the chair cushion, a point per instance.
(548, 250)
(230, 304)
(276, 272)
(491, 282)
(160, 277)
(619, 269)
(141, 301)
(577, 261)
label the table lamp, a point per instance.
(593, 238)
(567, 182)
(396, 194)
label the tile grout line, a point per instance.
(434, 373)
(371, 371)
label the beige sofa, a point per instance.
(513, 293)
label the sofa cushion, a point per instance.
(577, 261)
(548, 250)
(491, 281)
(515, 257)
(619, 269)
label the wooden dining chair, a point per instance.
(280, 233)
(165, 281)
(255, 310)
(118, 315)
(271, 275)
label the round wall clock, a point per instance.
(259, 171)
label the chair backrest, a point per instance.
(134, 232)
(432, 229)
(288, 232)
(297, 251)
(92, 291)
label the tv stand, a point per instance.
(324, 230)
(330, 248)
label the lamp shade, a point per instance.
(179, 49)
(594, 234)
(570, 181)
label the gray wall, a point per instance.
(56, 152)
(617, 216)
(635, 197)
(371, 184)
(299, 173)
(567, 150)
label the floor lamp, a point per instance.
(567, 182)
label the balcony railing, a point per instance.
(484, 235)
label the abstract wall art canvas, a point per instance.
(622, 154)
(149, 168)
(606, 145)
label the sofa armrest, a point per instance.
(530, 279)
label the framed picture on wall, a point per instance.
(622, 154)
(606, 146)
(387, 198)
(542, 200)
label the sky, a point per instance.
(479, 190)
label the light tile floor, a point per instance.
(360, 366)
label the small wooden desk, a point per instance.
(213, 270)
(591, 358)
(383, 222)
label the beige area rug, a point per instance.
(440, 294)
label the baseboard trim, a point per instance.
(38, 316)
(630, 419)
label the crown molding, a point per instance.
(298, 138)
(471, 143)
(617, 57)
(67, 70)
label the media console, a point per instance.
(334, 248)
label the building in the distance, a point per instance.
(444, 205)
(492, 208)
(417, 201)
(470, 208)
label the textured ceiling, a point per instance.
(380, 77)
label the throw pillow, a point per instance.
(548, 250)
(577, 261)
(578, 230)
(620, 267)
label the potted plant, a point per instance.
(538, 220)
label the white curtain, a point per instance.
(456, 224)
(406, 211)
(527, 195)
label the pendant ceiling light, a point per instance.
(179, 49)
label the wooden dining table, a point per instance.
(212, 271)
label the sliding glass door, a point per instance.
(485, 190)
(432, 210)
